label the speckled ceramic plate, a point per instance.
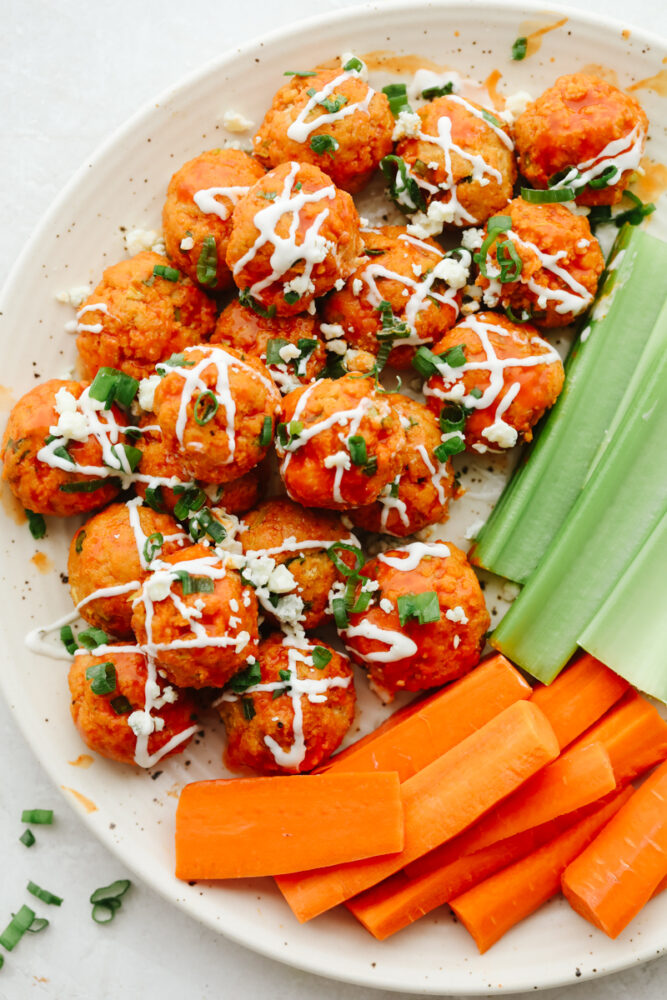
(122, 187)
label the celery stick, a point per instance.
(616, 511)
(629, 632)
(547, 482)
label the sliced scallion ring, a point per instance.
(206, 407)
(40, 817)
(44, 894)
(549, 196)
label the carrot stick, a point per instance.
(439, 802)
(619, 872)
(633, 734)
(262, 826)
(580, 776)
(578, 697)
(490, 909)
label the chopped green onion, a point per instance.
(321, 657)
(267, 432)
(432, 92)
(395, 487)
(605, 179)
(285, 675)
(373, 252)
(339, 609)
(108, 894)
(519, 48)
(509, 262)
(248, 300)
(36, 523)
(560, 175)
(113, 386)
(191, 498)
(103, 913)
(403, 189)
(452, 418)
(40, 817)
(291, 297)
(331, 104)
(132, 455)
(87, 486)
(268, 195)
(371, 466)
(495, 226)
(80, 538)
(273, 349)
(424, 607)
(121, 705)
(397, 94)
(153, 498)
(102, 677)
(364, 598)
(194, 584)
(62, 452)
(547, 197)
(17, 927)
(92, 637)
(37, 925)
(246, 678)
(357, 448)
(27, 838)
(153, 545)
(452, 446)
(296, 72)
(353, 64)
(426, 362)
(44, 895)
(324, 144)
(68, 640)
(206, 407)
(344, 570)
(205, 523)
(207, 263)
(475, 392)
(248, 708)
(525, 316)
(634, 216)
(176, 361)
(491, 119)
(170, 273)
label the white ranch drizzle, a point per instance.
(390, 503)
(623, 154)
(78, 327)
(300, 129)
(35, 639)
(286, 251)
(412, 555)
(206, 202)
(437, 474)
(292, 545)
(117, 591)
(400, 646)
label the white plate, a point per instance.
(123, 186)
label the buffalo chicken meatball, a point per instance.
(298, 539)
(113, 721)
(53, 431)
(340, 442)
(508, 379)
(289, 711)
(583, 134)
(425, 623)
(331, 118)
(289, 346)
(137, 316)
(197, 215)
(198, 616)
(217, 410)
(405, 292)
(420, 493)
(112, 551)
(457, 166)
(294, 236)
(544, 263)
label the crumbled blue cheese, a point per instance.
(143, 723)
(187, 243)
(242, 640)
(472, 239)
(408, 125)
(146, 395)
(337, 346)
(386, 605)
(515, 105)
(431, 222)
(289, 352)
(457, 614)
(281, 580)
(301, 284)
(234, 121)
(332, 331)
(74, 296)
(138, 239)
(501, 433)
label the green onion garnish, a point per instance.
(397, 93)
(246, 678)
(107, 900)
(509, 262)
(331, 104)
(604, 179)
(549, 196)
(207, 263)
(273, 348)
(191, 498)
(324, 144)
(432, 92)
(37, 925)
(170, 273)
(357, 448)
(344, 570)
(27, 838)
(353, 64)
(68, 640)
(92, 637)
(475, 392)
(403, 189)
(452, 446)
(205, 523)
(206, 407)
(40, 817)
(321, 657)
(296, 72)
(525, 316)
(17, 927)
(153, 545)
(102, 677)
(36, 523)
(340, 613)
(424, 607)
(267, 432)
(248, 300)
(121, 705)
(80, 539)
(427, 363)
(519, 48)
(113, 386)
(176, 361)
(495, 226)
(633, 215)
(88, 485)
(452, 418)
(248, 706)
(44, 895)
(153, 498)
(371, 466)
(194, 584)
(291, 297)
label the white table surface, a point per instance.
(71, 72)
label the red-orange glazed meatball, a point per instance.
(136, 317)
(289, 346)
(421, 285)
(583, 134)
(509, 378)
(294, 235)
(425, 623)
(217, 410)
(298, 539)
(105, 719)
(112, 552)
(197, 215)
(199, 618)
(287, 713)
(549, 267)
(56, 428)
(420, 494)
(331, 118)
(340, 442)
(458, 161)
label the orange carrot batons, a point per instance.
(494, 906)
(579, 696)
(619, 872)
(439, 802)
(633, 734)
(415, 735)
(263, 826)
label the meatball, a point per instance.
(297, 711)
(103, 720)
(217, 409)
(420, 493)
(460, 164)
(136, 317)
(550, 264)
(420, 284)
(296, 352)
(198, 617)
(298, 539)
(510, 377)
(113, 550)
(340, 443)
(585, 134)
(332, 119)
(294, 235)
(409, 642)
(197, 215)
(54, 428)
